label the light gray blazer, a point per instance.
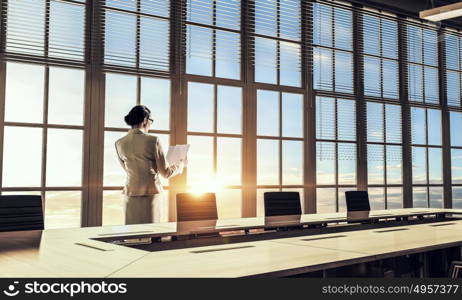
(143, 159)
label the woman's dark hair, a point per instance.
(137, 115)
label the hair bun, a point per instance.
(137, 115)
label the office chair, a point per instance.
(455, 268)
(21, 212)
(358, 206)
(282, 204)
(192, 207)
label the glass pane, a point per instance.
(292, 163)
(374, 122)
(415, 83)
(453, 88)
(267, 113)
(431, 85)
(228, 55)
(126, 4)
(456, 163)
(290, 64)
(228, 14)
(346, 120)
(265, 60)
(343, 29)
(434, 127)
(430, 46)
(200, 11)
(154, 44)
(290, 17)
(322, 69)
(62, 209)
(393, 123)
(24, 89)
(322, 25)
(377, 198)
(292, 115)
(67, 24)
(120, 39)
(229, 109)
(64, 157)
(267, 162)
(394, 164)
(419, 197)
(418, 126)
(325, 163)
(266, 17)
(155, 94)
(389, 38)
(372, 78)
(419, 165)
(394, 197)
(200, 107)
(371, 30)
(120, 98)
(24, 143)
(156, 7)
(325, 118)
(66, 96)
(25, 29)
(229, 161)
(326, 200)
(346, 163)
(229, 203)
(435, 165)
(390, 79)
(457, 197)
(343, 72)
(414, 37)
(456, 126)
(199, 50)
(200, 173)
(375, 164)
(114, 174)
(436, 197)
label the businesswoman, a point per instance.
(143, 159)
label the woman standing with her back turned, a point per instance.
(143, 159)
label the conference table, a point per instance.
(90, 251)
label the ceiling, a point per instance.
(411, 7)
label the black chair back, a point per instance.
(192, 207)
(21, 212)
(357, 201)
(282, 204)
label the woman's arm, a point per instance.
(163, 167)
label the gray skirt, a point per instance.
(143, 209)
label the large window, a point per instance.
(279, 143)
(427, 159)
(423, 81)
(277, 42)
(43, 138)
(333, 48)
(136, 34)
(213, 40)
(335, 152)
(384, 155)
(380, 47)
(122, 93)
(453, 57)
(215, 135)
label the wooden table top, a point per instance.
(75, 253)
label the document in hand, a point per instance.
(177, 153)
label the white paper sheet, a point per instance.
(177, 153)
